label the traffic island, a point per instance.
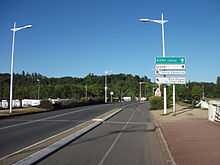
(190, 137)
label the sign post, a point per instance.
(170, 70)
(111, 93)
(174, 98)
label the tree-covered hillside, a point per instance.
(26, 86)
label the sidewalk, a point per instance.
(192, 139)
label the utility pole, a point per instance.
(174, 99)
(203, 91)
(106, 88)
(111, 93)
(38, 90)
(140, 90)
(86, 92)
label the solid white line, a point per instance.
(57, 145)
(165, 144)
(42, 141)
(115, 140)
(47, 118)
(35, 144)
(129, 123)
(58, 120)
(51, 117)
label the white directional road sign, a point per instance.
(170, 80)
(170, 66)
(170, 70)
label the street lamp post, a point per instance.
(86, 92)
(203, 91)
(140, 90)
(106, 87)
(111, 93)
(14, 30)
(38, 89)
(162, 22)
(140, 83)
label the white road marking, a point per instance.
(116, 140)
(58, 120)
(55, 146)
(101, 120)
(47, 118)
(129, 123)
(35, 144)
(42, 141)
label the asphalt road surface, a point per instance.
(21, 131)
(129, 138)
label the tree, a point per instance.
(196, 92)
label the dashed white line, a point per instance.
(116, 140)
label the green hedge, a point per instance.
(45, 104)
(70, 103)
(156, 102)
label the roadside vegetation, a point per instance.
(156, 102)
(26, 86)
(189, 94)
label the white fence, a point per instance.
(4, 104)
(17, 103)
(30, 103)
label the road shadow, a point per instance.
(131, 129)
(183, 110)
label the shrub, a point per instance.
(46, 104)
(156, 102)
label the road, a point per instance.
(22, 131)
(128, 138)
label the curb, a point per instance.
(171, 159)
(36, 157)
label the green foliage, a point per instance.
(196, 92)
(46, 104)
(26, 85)
(156, 102)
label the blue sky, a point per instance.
(77, 37)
